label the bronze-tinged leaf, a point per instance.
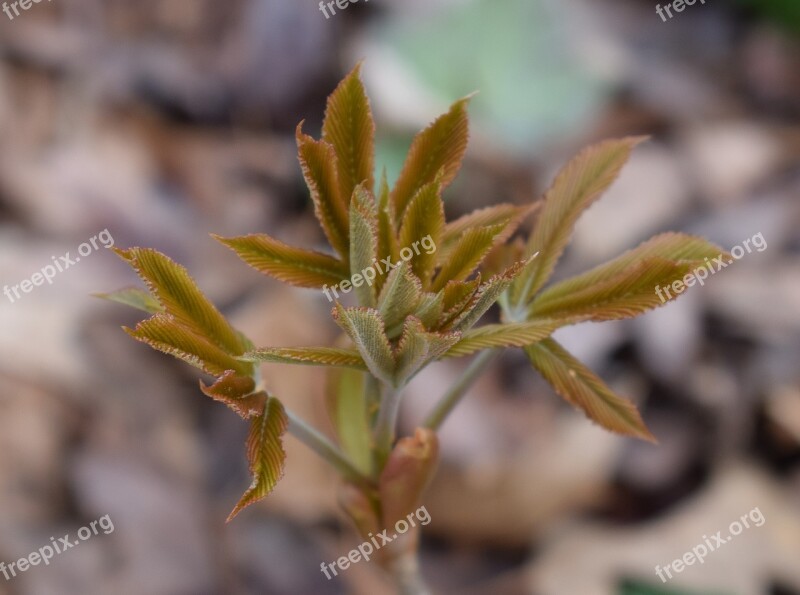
(265, 453)
(302, 268)
(456, 295)
(319, 163)
(441, 146)
(177, 292)
(507, 215)
(350, 129)
(485, 296)
(407, 473)
(364, 245)
(166, 334)
(365, 328)
(417, 347)
(467, 254)
(309, 356)
(387, 236)
(423, 220)
(135, 298)
(518, 334)
(631, 292)
(238, 393)
(575, 188)
(399, 297)
(676, 247)
(579, 386)
(430, 309)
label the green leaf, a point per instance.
(363, 244)
(417, 347)
(168, 335)
(575, 188)
(319, 163)
(583, 389)
(311, 356)
(350, 129)
(176, 291)
(349, 411)
(265, 453)
(467, 254)
(136, 298)
(518, 334)
(424, 218)
(365, 328)
(387, 239)
(238, 393)
(399, 297)
(302, 268)
(441, 146)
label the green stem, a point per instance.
(451, 398)
(385, 426)
(320, 444)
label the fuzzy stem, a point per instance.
(452, 397)
(320, 444)
(385, 425)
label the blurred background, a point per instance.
(162, 121)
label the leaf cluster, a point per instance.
(428, 306)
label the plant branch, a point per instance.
(322, 445)
(452, 397)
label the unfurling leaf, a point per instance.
(238, 393)
(519, 334)
(363, 244)
(582, 388)
(424, 218)
(350, 129)
(399, 297)
(310, 356)
(135, 298)
(506, 215)
(485, 297)
(164, 333)
(176, 291)
(303, 268)
(319, 164)
(365, 328)
(265, 453)
(575, 188)
(441, 146)
(417, 347)
(467, 254)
